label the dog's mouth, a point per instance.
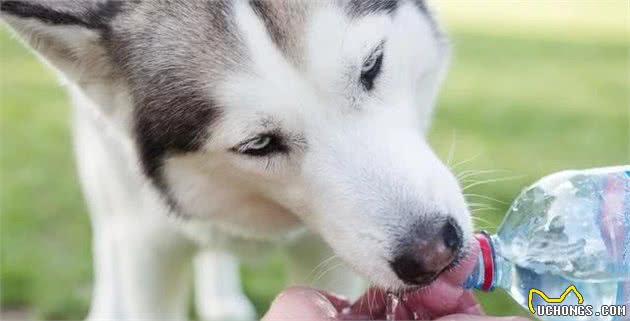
(426, 279)
(442, 291)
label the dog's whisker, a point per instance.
(481, 219)
(361, 301)
(492, 180)
(478, 205)
(371, 301)
(468, 181)
(486, 198)
(486, 223)
(451, 150)
(475, 214)
(468, 171)
(454, 166)
(321, 264)
(481, 209)
(482, 227)
(471, 173)
(322, 270)
(321, 275)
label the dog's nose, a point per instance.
(424, 257)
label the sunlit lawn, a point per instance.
(528, 94)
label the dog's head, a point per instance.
(263, 114)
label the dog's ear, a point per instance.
(70, 34)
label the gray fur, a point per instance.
(360, 8)
(171, 53)
(284, 21)
(92, 14)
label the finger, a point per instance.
(437, 300)
(467, 317)
(400, 312)
(469, 305)
(299, 303)
(339, 302)
(438, 303)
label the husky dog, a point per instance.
(207, 130)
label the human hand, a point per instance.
(306, 304)
(443, 300)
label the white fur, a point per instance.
(365, 164)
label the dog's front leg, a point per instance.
(141, 261)
(312, 263)
(218, 290)
(139, 275)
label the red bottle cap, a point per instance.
(488, 260)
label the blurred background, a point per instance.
(534, 87)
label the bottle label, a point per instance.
(615, 226)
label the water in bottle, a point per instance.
(563, 249)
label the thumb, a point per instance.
(299, 303)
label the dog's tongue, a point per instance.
(443, 297)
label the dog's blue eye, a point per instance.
(371, 69)
(262, 145)
(259, 142)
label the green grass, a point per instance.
(530, 101)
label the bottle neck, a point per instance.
(491, 270)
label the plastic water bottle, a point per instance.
(563, 249)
